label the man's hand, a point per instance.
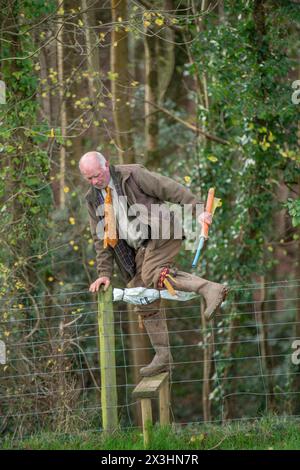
(94, 287)
(205, 217)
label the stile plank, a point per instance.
(149, 386)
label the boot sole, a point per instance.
(159, 371)
(211, 313)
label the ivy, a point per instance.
(250, 106)
(26, 198)
(293, 207)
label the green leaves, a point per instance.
(293, 206)
(249, 96)
(26, 200)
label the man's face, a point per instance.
(95, 174)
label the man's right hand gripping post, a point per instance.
(95, 286)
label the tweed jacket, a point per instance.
(144, 187)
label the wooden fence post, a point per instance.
(109, 400)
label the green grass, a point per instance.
(265, 434)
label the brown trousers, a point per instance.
(150, 260)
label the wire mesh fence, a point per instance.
(240, 366)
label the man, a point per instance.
(144, 260)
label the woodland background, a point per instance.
(196, 90)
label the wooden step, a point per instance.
(149, 386)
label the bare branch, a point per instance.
(192, 127)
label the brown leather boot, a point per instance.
(213, 293)
(156, 327)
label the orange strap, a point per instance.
(163, 281)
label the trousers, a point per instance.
(150, 260)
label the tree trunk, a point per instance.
(296, 368)
(151, 95)
(121, 83)
(259, 298)
(93, 66)
(207, 367)
(231, 347)
(63, 111)
(166, 56)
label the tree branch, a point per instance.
(171, 25)
(192, 127)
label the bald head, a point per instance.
(92, 158)
(95, 169)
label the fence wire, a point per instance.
(50, 376)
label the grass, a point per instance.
(271, 433)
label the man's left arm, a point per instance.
(164, 188)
